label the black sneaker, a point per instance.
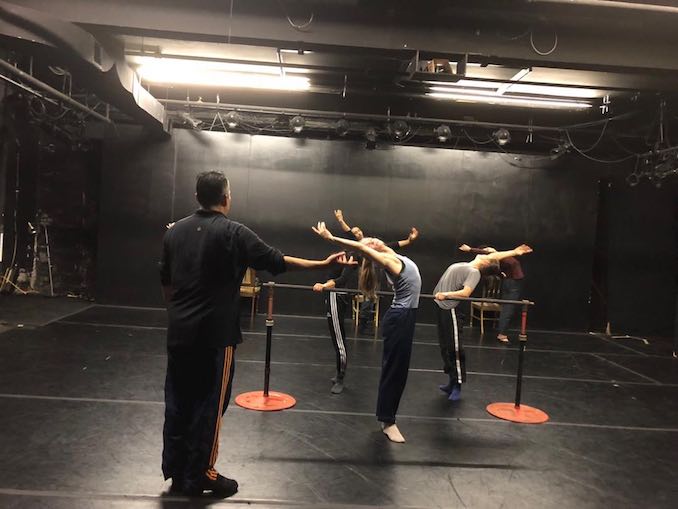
(177, 486)
(217, 484)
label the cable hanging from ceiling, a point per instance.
(301, 27)
(596, 143)
(544, 53)
(530, 32)
(230, 22)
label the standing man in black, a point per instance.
(204, 258)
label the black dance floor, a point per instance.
(81, 419)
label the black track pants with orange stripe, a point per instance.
(197, 392)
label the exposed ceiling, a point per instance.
(364, 60)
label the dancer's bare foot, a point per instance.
(503, 338)
(393, 433)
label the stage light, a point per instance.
(297, 124)
(371, 137)
(443, 133)
(342, 127)
(399, 129)
(371, 134)
(232, 119)
(502, 136)
(218, 74)
(562, 148)
(190, 120)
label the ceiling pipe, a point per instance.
(356, 116)
(51, 91)
(664, 9)
(28, 90)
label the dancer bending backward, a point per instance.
(511, 286)
(397, 325)
(459, 280)
(337, 303)
(367, 306)
(357, 232)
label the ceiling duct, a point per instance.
(106, 75)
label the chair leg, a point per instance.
(254, 307)
(482, 322)
(376, 318)
(355, 311)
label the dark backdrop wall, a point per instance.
(281, 186)
(643, 258)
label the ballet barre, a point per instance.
(268, 400)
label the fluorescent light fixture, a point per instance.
(465, 84)
(490, 98)
(178, 71)
(556, 91)
(296, 51)
(516, 77)
(518, 88)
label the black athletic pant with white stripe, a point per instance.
(197, 392)
(337, 304)
(450, 327)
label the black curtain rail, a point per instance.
(273, 284)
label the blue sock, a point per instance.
(448, 387)
(455, 392)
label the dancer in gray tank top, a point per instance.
(397, 325)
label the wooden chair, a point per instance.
(250, 289)
(358, 299)
(485, 311)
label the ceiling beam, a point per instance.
(551, 39)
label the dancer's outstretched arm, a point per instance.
(519, 251)
(387, 260)
(411, 237)
(340, 219)
(293, 263)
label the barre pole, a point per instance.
(269, 341)
(423, 295)
(515, 412)
(266, 400)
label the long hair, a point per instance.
(491, 270)
(367, 279)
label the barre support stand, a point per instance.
(266, 400)
(515, 412)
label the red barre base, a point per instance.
(257, 401)
(522, 414)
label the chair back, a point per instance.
(491, 287)
(250, 277)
